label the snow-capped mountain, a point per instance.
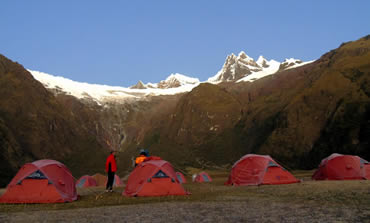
(139, 85)
(244, 68)
(105, 93)
(235, 69)
(177, 80)
(173, 81)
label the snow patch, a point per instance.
(300, 64)
(261, 60)
(182, 79)
(273, 68)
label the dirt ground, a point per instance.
(236, 211)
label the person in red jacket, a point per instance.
(111, 168)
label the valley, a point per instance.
(299, 114)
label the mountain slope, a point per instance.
(35, 125)
(298, 116)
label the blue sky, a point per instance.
(121, 42)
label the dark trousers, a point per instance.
(110, 180)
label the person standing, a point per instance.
(111, 168)
(143, 155)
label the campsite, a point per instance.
(184, 111)
(256, 188)
(314, 201)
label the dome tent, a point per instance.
(117, 182)
(202, 177)
(254, 169)
(342, 167)
(86, 181)
(43, 181)
(100, 179)
(154, 177)
(180, 177)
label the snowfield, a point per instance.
(102, 93)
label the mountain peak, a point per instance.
(262, 62)
(245, 68)
(243, 55)
(183, 78)
(139, 85)
(236, 68)
(177, 80)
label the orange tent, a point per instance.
(43, 181)
(254, 169)
(86, 181)
(180, 178)
(153, 178)
(202, 177)
(100, 179)
(342, 167)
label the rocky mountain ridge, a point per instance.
(172, 81)
(236, 69)
(244, 68)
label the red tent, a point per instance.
(86, 181)
(367, 168)
(117, 182)
(180, 178)
(254, 169)
(153, 178)
(43, 181)
(342, 167)
(100, 179)
(202, 177)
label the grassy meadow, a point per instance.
(340, 194)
